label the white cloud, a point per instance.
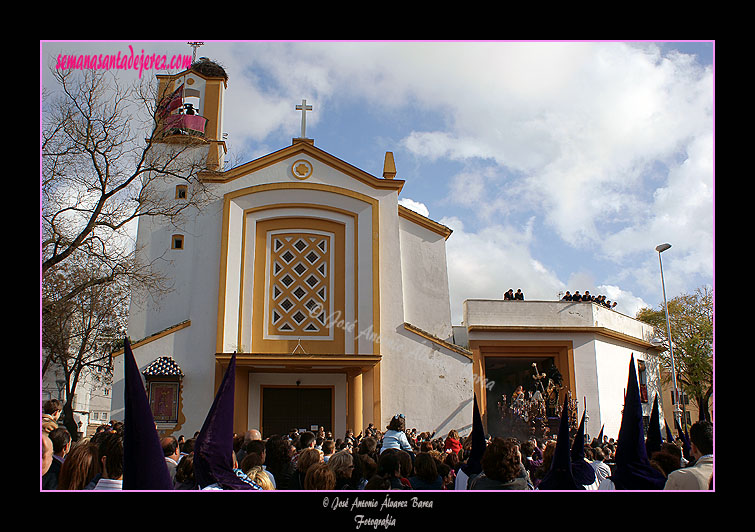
(575, 134)
(626, 302)
(487, 263)
(608, 144)
(415, 206)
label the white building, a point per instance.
(335, 299)
(589, 344)
(91, 401)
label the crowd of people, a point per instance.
(395, 459)
(599, 299)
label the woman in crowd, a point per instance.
(342, 464)
(447, 474)
(501, 467)
(307, 458)
(260, 477)
(389, 469)
(539, 473)
(184, 479)
(80, 467)
(452, 442)
(319, 477)
(426, 475)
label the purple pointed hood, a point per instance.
(582, 471)
(654, 440)
(213, 450)
(633, 469)
(144, 465)
(560, 476)
(669, 436)
(474, 462)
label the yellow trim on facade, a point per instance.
(310, 150)
(424, 221)
(276, 206)
(296, 362)
(434, 339)
(259, 342)
(156, 336)
(224, 237)
(561, 350)
(603, 331)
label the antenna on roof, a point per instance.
(195, 45)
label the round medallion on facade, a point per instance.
(302, 169)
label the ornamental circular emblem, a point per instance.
(301, 169)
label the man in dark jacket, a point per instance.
(61, 445)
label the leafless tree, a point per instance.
(80, 332)
(103, 168)
(102, 165)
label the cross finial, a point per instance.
(303, 108)
(194, 45)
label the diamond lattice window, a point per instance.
(298, 301)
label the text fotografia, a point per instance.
(374, 522)
(125, 61)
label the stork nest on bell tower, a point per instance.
(209, 68)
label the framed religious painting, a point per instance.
(163, 401)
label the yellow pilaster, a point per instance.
(356, 403)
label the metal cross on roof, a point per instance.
(303, 108)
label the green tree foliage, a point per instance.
(691, 319)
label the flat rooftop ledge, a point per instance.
(556, 315)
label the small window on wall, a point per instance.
(177, 242)
(182, 192)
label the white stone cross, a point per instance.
(303, 108)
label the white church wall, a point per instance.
(229, 313)
(586, 377)
(185, 347)
(424, 279)
(430, 384)
(440, 394)
(601, 361)
(612, 360)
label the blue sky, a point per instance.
(559, 165)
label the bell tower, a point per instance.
(190, 109)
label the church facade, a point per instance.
(335, 300)
(332, 295)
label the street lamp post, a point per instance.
(677, 411)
